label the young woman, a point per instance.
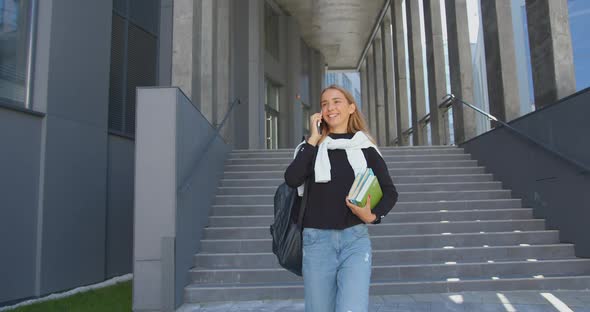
(336, 244)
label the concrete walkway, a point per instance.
(508, 301)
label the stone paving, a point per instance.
(508, 301)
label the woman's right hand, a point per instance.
(315, 136)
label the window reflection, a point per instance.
(14, 29)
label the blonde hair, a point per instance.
(356, 120)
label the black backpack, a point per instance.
(286, 230)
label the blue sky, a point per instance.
(579, 11)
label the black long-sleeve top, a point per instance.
(326, 207)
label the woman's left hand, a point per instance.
(364, 213)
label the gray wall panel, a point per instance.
(74, 206)
(201, 173)
(119, 222)
(174, 190)
(20, 137)
(78, 81)
(75, 159)
(563, 126)
(154, 211)
(555, 189)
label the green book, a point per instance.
(367, 184)
(372, 188)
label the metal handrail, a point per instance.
(408, 131)
(424, 120)
(184, 186)
(450, 98)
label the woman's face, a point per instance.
(336, 110)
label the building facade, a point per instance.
(69, 72)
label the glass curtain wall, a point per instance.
(16, 25)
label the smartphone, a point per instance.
(319, 127)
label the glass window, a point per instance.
(346, 83)
(15, 28)
(134, 50)
(357, 97)
(272, 96)
(428, 133)
(305, 118)
(271, 31)
(330, 79)
(451, 127)
(271, 108)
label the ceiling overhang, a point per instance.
(340, 29)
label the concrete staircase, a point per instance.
(453, 229)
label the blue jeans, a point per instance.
(337, 269)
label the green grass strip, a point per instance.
(112, 298)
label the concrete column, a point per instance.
(551, 50)
(192, 60)
(222, 66)
(435, 59)
(372, 107)
(323, 68)
(206, 94)
(165, 43)
(388, 78)
(291, 112)
(399, 71)
(364, 89)
(381, 129)
(248, 79)
(256, 73)
(461, 69)
(185, 47)
(500, 55)
(316, 78)
(417, 79)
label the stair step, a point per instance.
(387, 242)
(397, 180)
(397, 229)
(196, 293)
(403, 256)
(390, 165)
(392, 217)
(287, 160)
(277, 174)
(403, 197)
(453, 229)
(416, 187)
(449, 205)
(381, 148)
(288, 153)
(401, 273)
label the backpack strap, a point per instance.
(303, 203)
(305, 197)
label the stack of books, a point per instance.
(365, 184)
